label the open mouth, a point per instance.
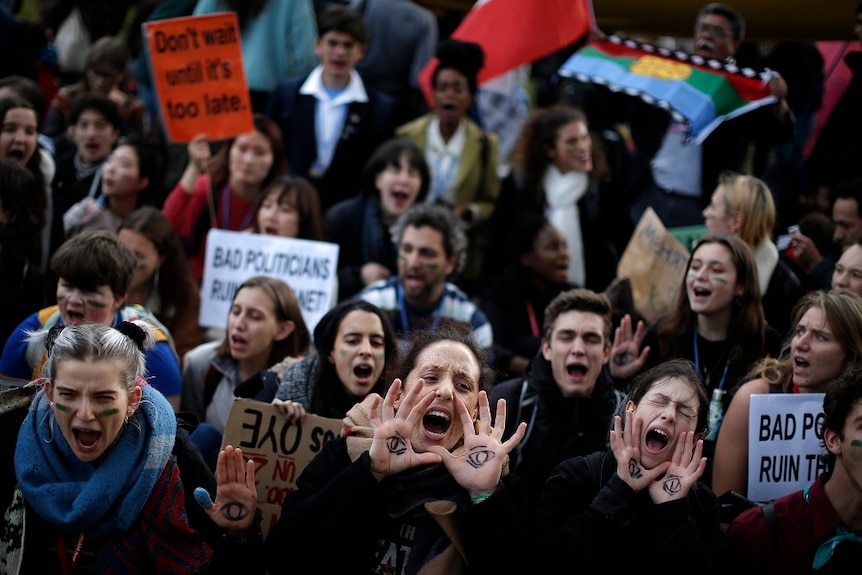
(436, 422)
(400, 196)
(270, 231)
(86, 439)
(74, 317)
(363, 372)
(799, 362)
(576, 370)
(656, 440)
(701, 292)
(15, 155)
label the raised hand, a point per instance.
(199, 152)
(236, 494)
(625, 445)
(479, 467)
(391, 450)
(684, 470)
(626, 357)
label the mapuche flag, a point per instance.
(694, 90)
(517, 32)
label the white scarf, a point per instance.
(562, 193)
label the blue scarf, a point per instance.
(84, 497)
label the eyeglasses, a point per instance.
(716, 31)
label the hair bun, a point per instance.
(133, 332)
(466, 57)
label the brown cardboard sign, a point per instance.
(280, 449)
(654, 262)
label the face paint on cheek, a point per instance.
(381, 357)
(61, 297)
(63, 408)
(402, 258)
(692, 274)
(718, 280)
(431, 266)
(856, 443)
(108, 412)
(343, 352)
(94, 303)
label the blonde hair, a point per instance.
(752, 198)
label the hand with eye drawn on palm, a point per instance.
(236, 494)
(479, 468)
(625, 444)
(685, 469)
(391, 449)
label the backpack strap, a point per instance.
(772, 524)
(211, 382)
(526, 401)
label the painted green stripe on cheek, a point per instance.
(108, 412)
(94, 303)
(63, 408)
(856, 443)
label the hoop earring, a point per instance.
(50, 416)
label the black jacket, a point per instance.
(558, 427)
(589, 516)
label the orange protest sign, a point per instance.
(199, 77)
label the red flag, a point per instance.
(517, 32)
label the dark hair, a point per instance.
(302, 194)
(34, 164)
(390, 153)
(841, 399)
(286, 309)
(582, 300)
(442, 219)
(104, 106)
(737, 22)
(538, 138)
(850, 190)
(175, 275)
(524, 233)
(447, 330)
(149, 166)
(329, 398)
(679, 368)
(746, 333)
(819, 228)
(466, 58)
(344, 20)
(95, 258)
(24, 204)
(27, 89)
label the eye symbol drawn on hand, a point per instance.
(634, 469)
(672, 485)
(396, 445)
(233, 511)
(480, 457)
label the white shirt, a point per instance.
(443, 160)
(330, 113)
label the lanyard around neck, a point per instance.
(225, 211)
(697, 363)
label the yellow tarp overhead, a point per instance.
(766, 20)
